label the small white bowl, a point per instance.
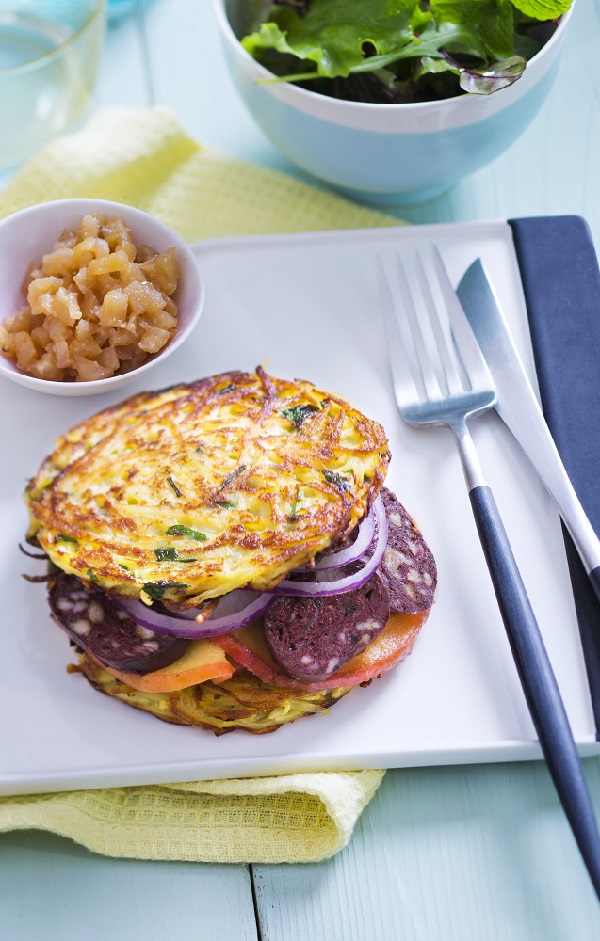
(31, 233)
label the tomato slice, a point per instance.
(249, 648)
(203, 660)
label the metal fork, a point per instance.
(440, 377)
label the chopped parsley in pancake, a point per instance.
(189, 493)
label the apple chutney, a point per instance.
(97, 305)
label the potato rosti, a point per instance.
(174, 520)
(186, 494)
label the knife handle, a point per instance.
(538, 680)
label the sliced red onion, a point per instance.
(235, 610)
(366, 535)
(321, 589)
(192, 613)
(240, 607)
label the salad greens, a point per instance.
(397, 51)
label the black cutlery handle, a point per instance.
(538, 680)
(595, 580)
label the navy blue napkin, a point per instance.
(561, 282)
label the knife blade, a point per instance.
(518, 407)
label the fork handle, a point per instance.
(538, 680)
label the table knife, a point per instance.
(519, 409)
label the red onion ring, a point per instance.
(366, 535)
(232, 612)
(349, 582)
(239, 607)
(192, 613)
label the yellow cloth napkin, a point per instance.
(293, 818)
(144, 158)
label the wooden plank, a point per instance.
(552, 168)
(194, 81)
(52, 886)
(455, 854)
(448, 854)
(53, 889)
(537, 175)
(123, 77)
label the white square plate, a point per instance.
(307, 306)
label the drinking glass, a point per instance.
(49, 55)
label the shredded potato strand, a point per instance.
(234, 480)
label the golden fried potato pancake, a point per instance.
(186, 494)
(243, 702)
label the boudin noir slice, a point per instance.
(312, 638)
(408, 567)
(105, 631)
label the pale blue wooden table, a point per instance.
(449, 854)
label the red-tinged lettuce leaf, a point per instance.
(477, 82)
(499, 75)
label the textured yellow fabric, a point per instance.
(291, 818)
(144, 158)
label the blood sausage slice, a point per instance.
(311, 638)
(105, 631)
(408, 567)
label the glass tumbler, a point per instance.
(49, 56)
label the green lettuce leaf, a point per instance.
(493, 21)
(401, 41)
(333, 33)
(543, 9)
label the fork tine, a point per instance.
(465, 342)
(428, 377)
(432, 369)
(445, 349)
(404, 380)
(533, 665)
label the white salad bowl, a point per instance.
(31, 233)
(385, 153)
